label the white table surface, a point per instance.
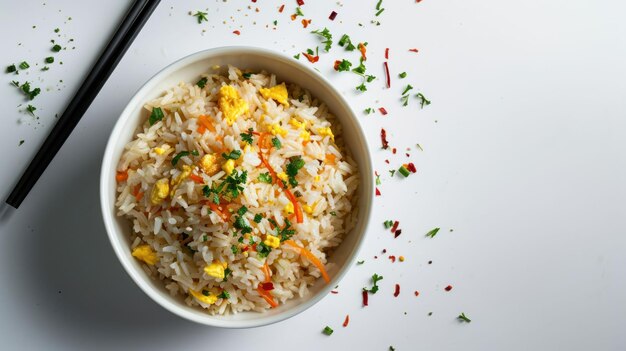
(524, 157)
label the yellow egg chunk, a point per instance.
(160, 191)
(308, 209)
(288, 208)
(229, 166)
(210, 164)
(272, 241)
(277, 129)
(215, 270)
(146, 254)
(297, 124)
(317, 178)
(231, 104)
(277, 92)
(326, 132)
(306, 136)
(282, 176)
(179, 178)
(208, 299)
(159, 151)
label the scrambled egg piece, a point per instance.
(159, 151)
(308, 209)
(297, 124)
(146, 254)
(288, 208)
(210, 164)
(283, 176)
(278, 93)
(160, 191)
(229, 166)
(208, 299)
(179, 178)
(317, 178)
(216, 269)
(272, 241)
(231, 104)
(306, 136)
(326, 132)
(277, 129)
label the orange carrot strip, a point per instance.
(121, 176)
(204, 120)
(296, 206)
(201, 129)
(137, 192)
(196, 178)
(215, 208)
(330, 158)
(314, 260)
(267, 296)
(267, 272)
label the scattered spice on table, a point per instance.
(346, 321)
(448, 288)
(396, 291)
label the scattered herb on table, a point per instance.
(21, 142)
(27, 90)
(369, 110)
(325, 33)
(24, 65)
(375, 279)
(201, 16)
(11, 69)
(343, 65)
(327, 330)
(463, 318)
(49, 59)
(423, 100)
(31, 109)
(345, 39)
(56, 48)
(388, 224)
(360, 262)
(402, 75)
(432, 233)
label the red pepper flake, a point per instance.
(305, 23)
(397, 292)
(418, 1)
(245, 248)
(407, 155)
(268, 286)
(392, 258)
(395, 226)
(336, 66)
(397, 233)
(384, 250)
(346, 321)
(364, 293)
(253, 0)
(383, 138)
(387, 54)
(393, 151)
(387, 161)
(237, 32)
(300, 2)
(448, 288)
(311, 58)
(281, 8)
(375, 257)
(387, 75)
(363, 50)
(411, 167)
(413, 50)
(377, 192)
(332, 16)
(417, 293)
(383, 111)
(334, 292)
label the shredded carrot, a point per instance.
(296, 206)
(196, 178)
(305, 23)
(362, 49)
(201, 129)
(311, 58)
(267, 296)
(215, 208)
(267, 272)
(314, 260)
(330, 158)
(121, 176)
(206, 123)
(137, 192)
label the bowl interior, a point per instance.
(189, 69)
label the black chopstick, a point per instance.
(134, 20)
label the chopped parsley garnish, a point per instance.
(49, 59)
(258, 218)
(156, 115)
(205, 292)
(375, 279)
(378, 182)
(345, 39)
(361, 87)
(297, 57)
(327, 330)
(45, 68)
(11, 69)
(369, 78)
(212, 194)
(224, 295)
(423, 100)
(404, 100)
(204, 237)
(201, 16)
(406, 90)
(360, 69)
(247, 75)
(240, 224)
(195, 152)
(344, 66)
(402, 75)
(265, 178)
(378, 4)
(234, 249)
(369, 110)
(31, 109)
(247, 137)
(299, 11)
(388, 224)
(379, 12)
(432, 233)
(15, 83)
(178, 157)
(24, 65)
(202, 82)
(392, 172)
(227, 272)
(391, 348)
(30, 93)
(56, 48)
(333, 213)
(234, 183)
(360, 262)
(294, 165)
(242, 210)
(276, 142)
(286, 232)
(310, 51)
(325, 33)
(275, 22)
(21, 142)
(263, 250)
(56, 30)
(233, 155)
(463, 318)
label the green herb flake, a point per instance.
(463, 318)
(299, 11)
(406, 90)
(333, 213)
(392, 172)
(404, 171)
(380, 2)
(227, 272)
(297, 57)
(15, 83)
(432, 233)
(258, 218)
(369, 110)
(265, 178)
(388, 224)
(56, 48)
(379, 12)
(391, 348)
(344, 66)
(21, 142)
(49, 59)
(275, 22)
(56, 30)
(360, 262)
(263, 250)
(205, 237)
(294, 165)
(234, 249)
(404, 100)
(325, 33)
(24, 65)
(195, 153)
(360, 69)
(276, 142)
(156, 115)
(375, 279)
(201, 16)
(179, 156)
(361, 87)
(423, 100)
(378, 182)
(233, 155)
(242, 210)
(205, 292)
(31, 109)
(327, 330)
(345, 39)
(402, 75)
(45, 68)
(369, 78)
(202, 82)
(247, 137)
(11, 69)
(224, 295)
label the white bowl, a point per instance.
(189, 69)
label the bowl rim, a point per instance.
(140, 278)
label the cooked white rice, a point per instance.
(184, 235)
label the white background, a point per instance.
(524, 157)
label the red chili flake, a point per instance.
(269, 286)
(387, 161)
(387, 54)
(418, 1)
(311, 58)
(397, 292)
(334, 292)
(383, 111)
(377, 192)
(392, 258)
(448, 288)
(336, 66)
(383, 138)
(413, 50)
(332, 16)
(245, 248)
(393, 151)
(281, 8)
(411, 167)
(300, 2)
(237, 32)
(305, 23)
(375, 257)
(346, 321)
(395, 226)
(363, 50)
(253, 0)
(387, 75)
(397, 233)
(407, 155)
(364, 293)
(417, 293)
